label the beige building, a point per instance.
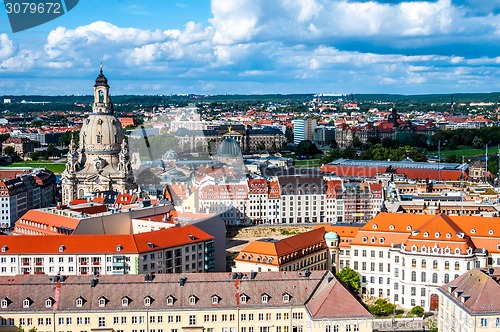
(102, 161)
(470, 303)
(211, 302)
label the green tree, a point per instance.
(9, 151)
(306, 148)
(350, 278)
(382, 308)
(477, 142)
(417, 310)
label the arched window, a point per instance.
(446, 265)
(413, 262)
(424, 264)
(423, 277)
(101, 96)
(457, 266)
(81, 193)
(434, 278)
(446, 278)
(413, 276)
(435, 265)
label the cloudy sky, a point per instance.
(258, 46)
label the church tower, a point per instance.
(101, 162)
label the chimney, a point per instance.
(307, 273)
(182, 281)
(94, 282)
(253, 274)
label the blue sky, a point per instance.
(258, 46)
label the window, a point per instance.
(446, 265)
(124, 301)
(102, 302)
(243, 299)
(484, 322)
(79, 320)
(170, 300)
(413, 276)
(4, 303)
(101, 321)
(457, 266)
(435, 265)
(147, 301)
(215, 299)
(192, 300)
(424, 264)
(48, 303)
(446, 278)
(192, 320)
(423, 277)
(87, 321)
(434, 278)
(265, 298)
(26, 303)
(286, 298)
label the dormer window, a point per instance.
(408, 228)
(192, 300)
(79, 302)
(4, 248)
(26, 303)
(243, 298)
(365, 239)
(286, 298)
(125, 301)
(448, 235)
(170, 300)
(473, 231)
(490, 232)
(373, 239)
(48, 303)
(119, 247)
(375, 226)
(437, 235)
(147, 301)
(102, 302)
(215, 299)
(61, 248)
(381, 240)
(265, 298)
(426, 234)
(4, 303)
(391, 227)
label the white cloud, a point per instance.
(7, 47)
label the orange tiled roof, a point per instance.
(104, 244)
(34, 218)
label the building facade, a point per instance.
(246, 302)
(168, 250)
(303, 129)
(470, 303)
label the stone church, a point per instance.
(101, 162)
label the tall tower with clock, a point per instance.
(101, 162)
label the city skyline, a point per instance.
(255, 47)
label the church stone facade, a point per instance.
(101, 162)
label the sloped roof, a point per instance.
(103, 243)
(479, 291)
(335, 301)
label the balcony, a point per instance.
(83, 263)
(26, 263)
(96, 263)
(39, 263)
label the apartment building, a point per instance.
(175, 249)
(470, 302)
(244, 302)
(303, 129)
(21, 191)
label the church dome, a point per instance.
(229, 148)
(101, 80)
(101, 132)
(331, 236)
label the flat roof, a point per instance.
(399, 164)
